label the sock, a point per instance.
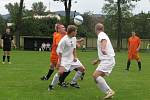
(75, 78)
(128, 64)
(139, 65)
(76, 69)
(82, 76)
(101, 83)
(4, 58)
(49, 73)
(8, 58)
(63, 77)
(55, 79)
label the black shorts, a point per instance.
(7, 48)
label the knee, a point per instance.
(52, 66)
(94, 76)
(81, 69)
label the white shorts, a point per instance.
(106, 66)
(71, 66)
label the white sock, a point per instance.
(75, 78)
(101, 83)
(55, 79)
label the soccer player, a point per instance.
(7, 39)
(105, 59)
(67, 60)
(60, 32)
(134, 44)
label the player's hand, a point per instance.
(15, 46)
(2, 45)
(58, 64)
(95, 62)
(78, 45)
(137, 49)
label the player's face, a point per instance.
(7, 30)
(133, 33)
(74, 33)
(62, 29)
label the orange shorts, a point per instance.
(132, 56)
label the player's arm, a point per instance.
(59, 59)
(12, 40)
(96, 61)
(128, 44)
(13, 43)
(75, 55)
(139, 46)
(2, 40)
(103, 46)
(74, 50)
(79, 42)
(2, 43)
(59, 51)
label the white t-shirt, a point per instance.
(66, 47)
(109, 49)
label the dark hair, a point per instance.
(71, 28)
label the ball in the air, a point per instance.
(78, 20)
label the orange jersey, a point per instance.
(133, 45)
(56, 38)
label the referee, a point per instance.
(7, 39)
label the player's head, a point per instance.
(7, 30)
(99, 27)
(72, 30)
(61, 28)
(133, 33)
(56, 27)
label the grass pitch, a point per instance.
(21, 79)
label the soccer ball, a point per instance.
(78, 20)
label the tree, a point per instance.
(120, 9)
(2, 24)
(38, 8)
(13, 10)
(18, 23)
(67, 4)
(89, 22)
(141, 24)
(16, 12)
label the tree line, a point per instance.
(117, 17)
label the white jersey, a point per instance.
(109, 48)
(66, 47)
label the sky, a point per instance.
(80, 6)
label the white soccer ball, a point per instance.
(78, 20)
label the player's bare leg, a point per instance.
(101, 83)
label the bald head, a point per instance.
(99, 27)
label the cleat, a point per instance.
(127, 69)
(44, 78)
(109, 94)
(63, 84)
(3, 62)
(9, 62)
(75, 85)
(82, 76)
(50, 88)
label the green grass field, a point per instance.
(21, 79)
